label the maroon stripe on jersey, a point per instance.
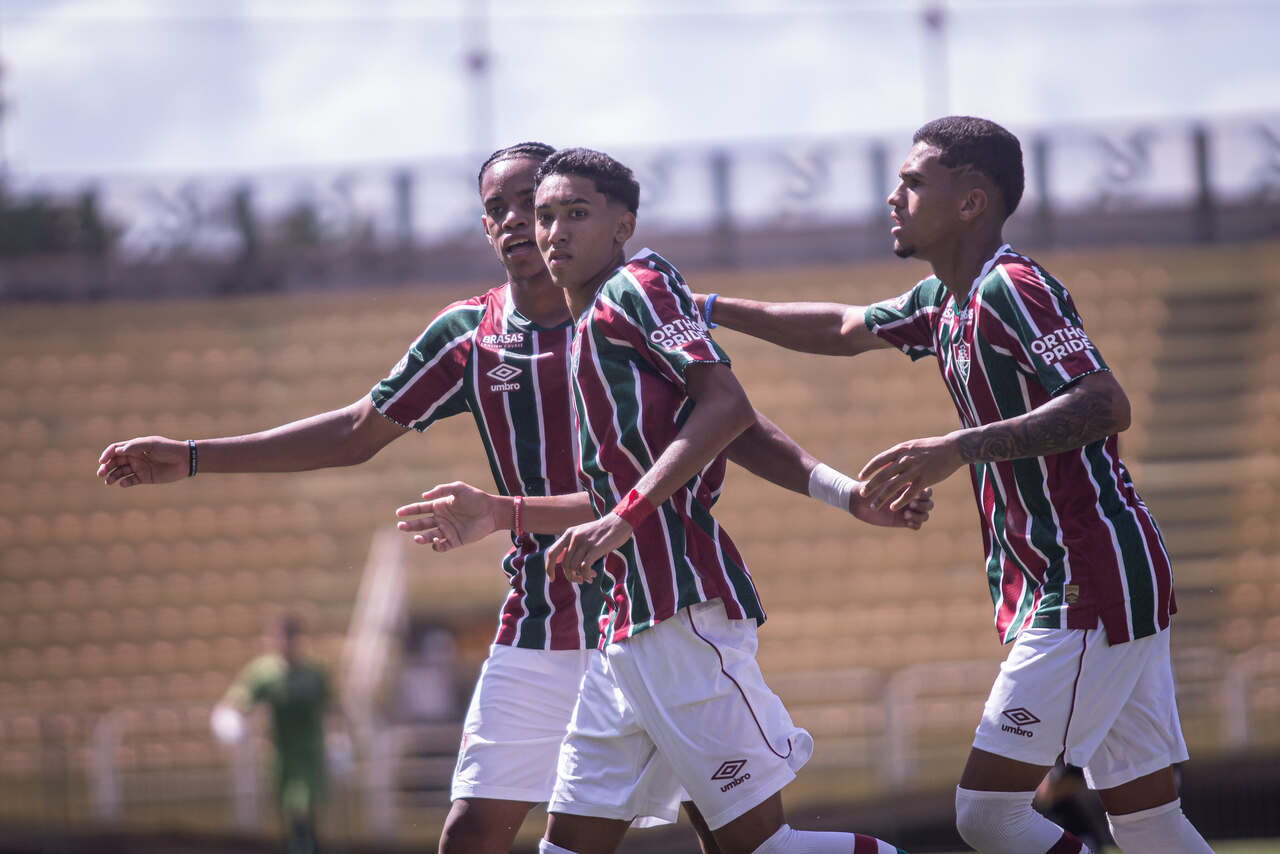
(1016, 517)
(432, 383)
(1093, 554)
(613, 324)
(1158, 558)
(493, 407)
(653, 554)
(865, 844)
(513, 610)
(657, 290)
(566, 621)
(555, 400)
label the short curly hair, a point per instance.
(981, 145)
(532, 150)
(612, 179)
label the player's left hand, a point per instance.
(450, 515)
(902, 473)
(582, 545)
(913, 516)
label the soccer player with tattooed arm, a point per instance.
(1078, 571)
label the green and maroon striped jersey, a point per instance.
(629, 357)
(1068, 541)
(481, 355)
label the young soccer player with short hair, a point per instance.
(1078, 572)
(677, 699)
(503, 357)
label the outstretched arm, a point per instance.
(766, 451)
(1090, 409)
(454, 514)
(341, 437)
(826, 328)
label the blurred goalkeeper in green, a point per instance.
(297, 692)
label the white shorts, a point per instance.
(680, 706)
(516, 721)
(1109, 709)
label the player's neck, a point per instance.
(959, 264)
(539, 300)
(581, 296)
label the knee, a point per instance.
(468, 832)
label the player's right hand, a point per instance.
(148, 459)
(451, 515)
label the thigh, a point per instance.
(515, 723)
(608, 766)
(1058, 691)
(1145, 737)
(701, 697)
(482, 826)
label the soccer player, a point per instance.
(1079, 574)
(296, 690)
(503, 356)
(677, 699)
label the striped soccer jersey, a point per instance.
(1068, 541)
(482, 355)
(629, 356)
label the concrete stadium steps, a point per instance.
(156, 596)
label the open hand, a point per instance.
(451, 515)
(913, 516)
(902, 473)
(582, 545)
(148, 459)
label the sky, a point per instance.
(155, 86)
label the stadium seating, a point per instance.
(150, 599)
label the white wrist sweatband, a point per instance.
(831, 487)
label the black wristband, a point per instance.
(193, 456)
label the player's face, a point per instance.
(507, 194)
(580, 232)
(924, 204)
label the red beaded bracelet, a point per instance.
(634, 508)
(519, 513)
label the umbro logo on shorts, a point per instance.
(1020, 718)
(729, 771)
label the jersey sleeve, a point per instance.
(246, 688)
(907, 322)
(428, 382)
(1032, 316)
(666, 328)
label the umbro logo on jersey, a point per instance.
(504, 374)
(962, 360)
(1020, 718)
(729, 771)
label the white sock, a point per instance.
(545, 847)
(788, 841)
(1005, 823)
(1159, 830)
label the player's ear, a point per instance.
(974, 203)
(625, 227)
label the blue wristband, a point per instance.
(706, 310)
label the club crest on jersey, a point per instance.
(504, 374)
(962, 360)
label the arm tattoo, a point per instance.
(1075, 419)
